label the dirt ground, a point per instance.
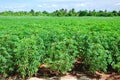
(68, 76)
(76, 74)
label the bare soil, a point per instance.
(77, 73)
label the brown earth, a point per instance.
(81, 77)
(70, 76)
(77, 73)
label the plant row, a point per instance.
(24, 52)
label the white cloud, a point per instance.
(81, 4)
(21, 6)
(51, 5)
(40, 6)
(117, 4)
(55, 0)
(14, 7)
(54, 5)
(45, 4)
(1, 6)
(17, 5)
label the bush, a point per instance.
(8, 44)
(61, 55)
(27, 57)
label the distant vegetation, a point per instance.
(62, 12)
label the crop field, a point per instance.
(26, 43)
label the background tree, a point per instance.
(38, 13)
(32, 12)
(62, 12)
(114, 13)
(118, 13)
(45, 13)
(71, 12)
(82, 13)
(90, 13)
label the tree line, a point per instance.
(62, 12)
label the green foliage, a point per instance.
(62, 12)
(27, 56)
(57, 42)
(95, 54)
(8, 44)
(61, 55)
(116, 53)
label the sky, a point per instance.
(52, 5)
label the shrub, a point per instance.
(61, 55)
(8, 44)
(27, 57)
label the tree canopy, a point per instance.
(62, 12)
